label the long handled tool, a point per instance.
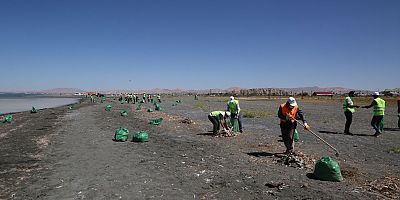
(336, 151)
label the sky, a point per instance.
(202, 44)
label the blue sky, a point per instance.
(103, 45)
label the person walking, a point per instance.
(233, 107)
(219, 119)
(288, 113)
(349, 109)
(398, 111)
(379, 112)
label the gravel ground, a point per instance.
(66, 153)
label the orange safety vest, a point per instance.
(291, 113)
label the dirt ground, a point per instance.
(64, 153)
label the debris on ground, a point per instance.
(187, 121)
(387, 186)
(279, 186)
(297, 161)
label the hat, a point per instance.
(376, 94)
(232, 98)
(228, 113)
(292, 101)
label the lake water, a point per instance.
(18, 103)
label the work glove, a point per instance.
(306, 126)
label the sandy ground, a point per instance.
(69, 154)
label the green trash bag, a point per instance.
(234, 124)
(121, 135)
(296, 136)
(381, 124)
(108, 107)
(141, 136)
(8, 119)
(178, 101)
(33, 110)
(158, 107)
(149, 110)
(327, 169)
(174, 104)
(124, 113)
(155, 121)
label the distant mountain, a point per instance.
(61, 91)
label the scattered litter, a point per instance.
(387, 186)
(187, 121)
(279, 186)
(299, 160)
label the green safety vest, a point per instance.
(217, 113)
(379, 108)
(345, 105)
(233, 106)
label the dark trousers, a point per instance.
(398, 122)
(239, 120)
(287, 136)
(215, 122)
(376, 120)
(349, 119)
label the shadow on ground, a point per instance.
(354, 134)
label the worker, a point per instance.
(379, 112)
(233, 107)
(288, 113)
(398, 111)
(158, 98)
(349, 109)
(220, 119)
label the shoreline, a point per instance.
(40, 108)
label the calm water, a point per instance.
(17, 103)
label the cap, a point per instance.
(292, 101)
(232, 98)
(376, 94)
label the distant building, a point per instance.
(328, 94)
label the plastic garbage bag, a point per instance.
(124, 113)
(108, 107)
(296, 136)
(149, 110)
(141, 136)
(155, 121)
(33, 110)
(121, 135)
(8, 119)
(158, 107)
(327, 169)
(234, 124)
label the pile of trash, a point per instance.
(297, 161)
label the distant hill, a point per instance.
(61, 91)
(231, 90)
